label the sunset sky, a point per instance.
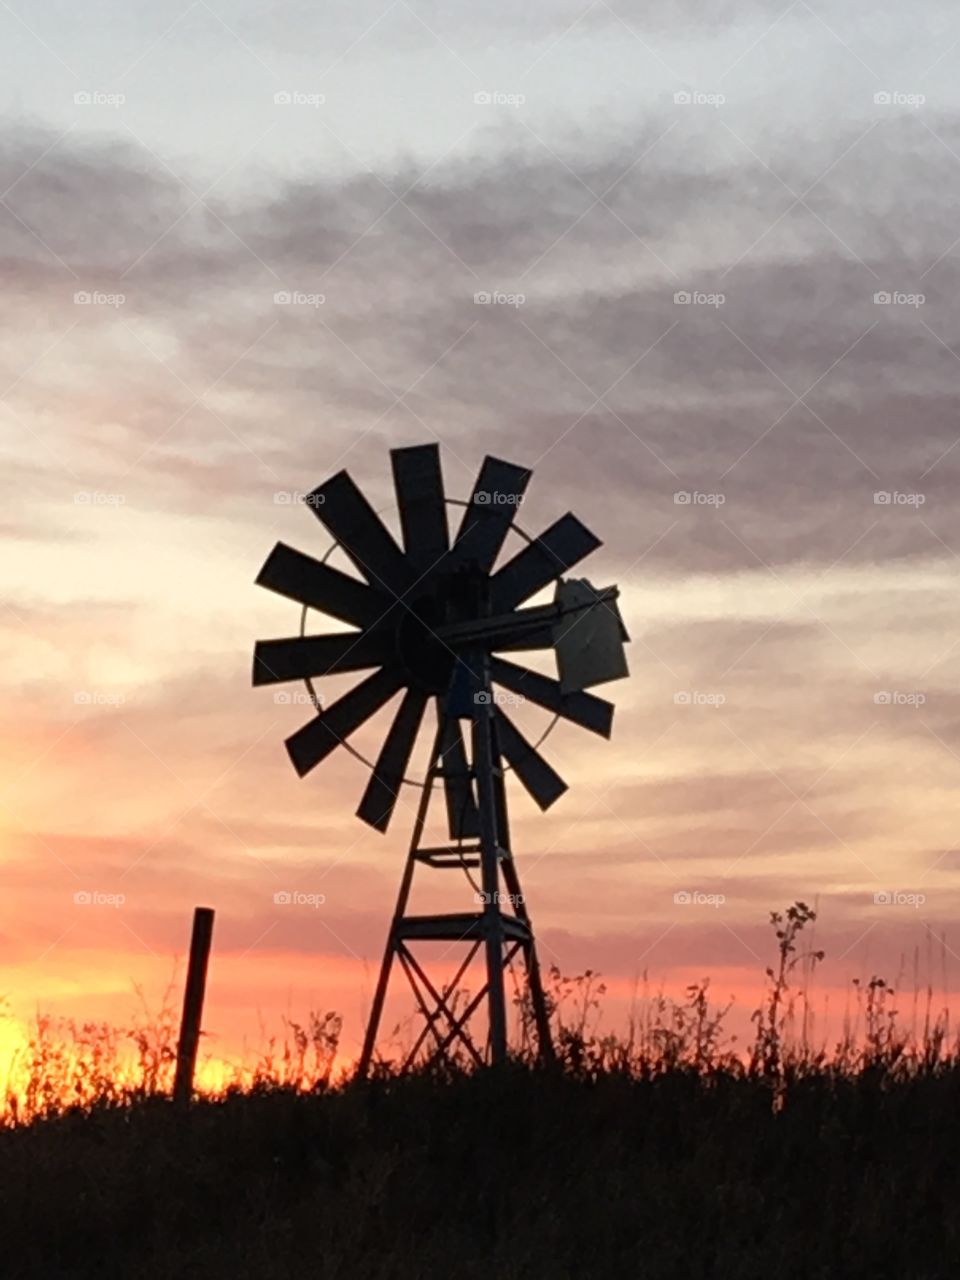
(725, 333)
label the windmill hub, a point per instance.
(430, 622)
(425, 659)
(425, 650)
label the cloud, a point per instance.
(730, 452)
(598, 363)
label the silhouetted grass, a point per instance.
(661, 1154)
(525, 1175)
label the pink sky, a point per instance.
(791, 725)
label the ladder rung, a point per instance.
(453, 849)
(450, 856)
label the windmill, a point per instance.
(431, 621)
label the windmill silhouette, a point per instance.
(431, 621)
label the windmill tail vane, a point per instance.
(432, 621)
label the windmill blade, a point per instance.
(462, 814)
(344, 511)
(321, 735)
(493, 504)
(302, 657)
(299, 577)
(423, 513)
(583, 709)
(540, 779)
(556, 550)
(382, 790)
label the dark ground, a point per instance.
(526, 1176)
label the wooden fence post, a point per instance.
(193, 1005)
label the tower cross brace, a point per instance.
(500, 934)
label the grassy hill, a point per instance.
(666, 1155)
(522, 1175)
